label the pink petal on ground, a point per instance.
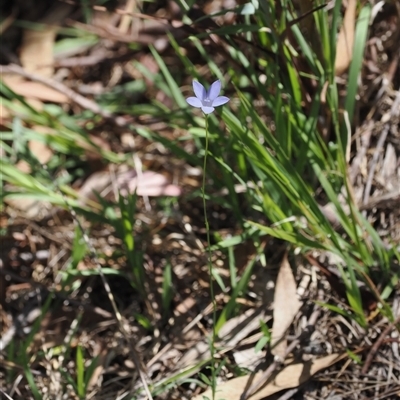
(153, 184)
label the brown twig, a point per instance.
(361, 152)
(394, 112)
(60, 87)
(289, 394)
(377, 344)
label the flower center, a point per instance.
(207, 102)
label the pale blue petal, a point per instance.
(220, 100)
(194, 102)
(199, 90)
(207, 110)
(214, 90)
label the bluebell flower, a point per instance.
(207, 99)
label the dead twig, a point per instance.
(60, 87)
(289, 394)
(377, 344)
(394, 112)
(361, 152)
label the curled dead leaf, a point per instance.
(345, 43)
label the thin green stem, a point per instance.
(210, 270)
